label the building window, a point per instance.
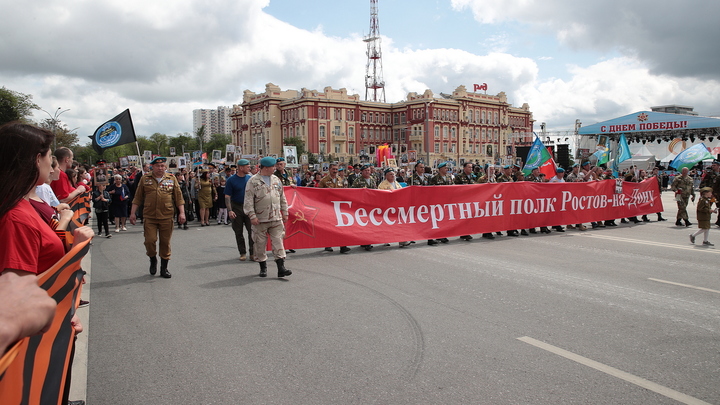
(437, 147)
(496, 121)
(351, 149)
(322, 131)
(337, 130)
(351, 133)
(337, 148)
(454, 133)
(437, 132)
(363, 117)
(322, 147)
(445, 147)
(482, 119)
(445, 132)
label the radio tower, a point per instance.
(374, 84)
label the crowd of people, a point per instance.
(37, 185)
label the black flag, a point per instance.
(118, 131)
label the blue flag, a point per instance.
(623, 150)
(690, 157)
(537, 155)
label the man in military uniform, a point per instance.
(711, 179)
(354, 175)
(658, 177)
(441, 178)
(683, 188)
(159, 193)
(534, 176)
(267, 208)
(365, 180)
(467, 177)
(506, 177)
(333, 180)
(418, 177)
(285, 175)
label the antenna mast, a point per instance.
(374, 84)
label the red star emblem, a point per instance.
(301, 217)
(642, 117)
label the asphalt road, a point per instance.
(567, 318)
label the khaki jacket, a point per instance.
(158, 199)
(266, 203)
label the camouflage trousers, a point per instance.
(276, 231)
(682, 208)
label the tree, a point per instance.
(15, 106)
(183, 142)
(161, 142)
(217, 142)
(200, 137)
(63, 136)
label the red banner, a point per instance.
(320, 217)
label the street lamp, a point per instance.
(54, 120)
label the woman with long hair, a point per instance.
(29, 246)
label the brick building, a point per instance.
(459, 126)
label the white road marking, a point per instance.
(654, 243)
(685, 285)
(641, 382)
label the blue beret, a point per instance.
(389, 170)
(586, 163)
(506, 167)
(443, 164)
(715, 162)
(281, 159)
(560, 170)
(341, 168)
(365, 167)
(267, 161)
(243, 162)
(158, 159)
(576, 165)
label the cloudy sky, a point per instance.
(591, 60)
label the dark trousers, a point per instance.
(241, 220)
(102, 221)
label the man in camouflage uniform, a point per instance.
(286, 177)
(442, 178)
(534, 176)
(419, 178)
(683, 188)
(365, 180)
(267, 208)
(712, 180)
(506, 177)
(466, 177)
(333, 180)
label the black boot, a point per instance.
(153, 265)
(164, 273)
(282, 271)
(687, 223)
(263, 269)
(645, 218)
(660, 217)
(623, 221)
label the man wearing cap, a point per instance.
(334, 180)
(158, 192)
(365, 180)
(710, 179)
(235, 199)
(466, 177)
(441, 178)
(267, 208)
(684, 191)
(355, 174)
